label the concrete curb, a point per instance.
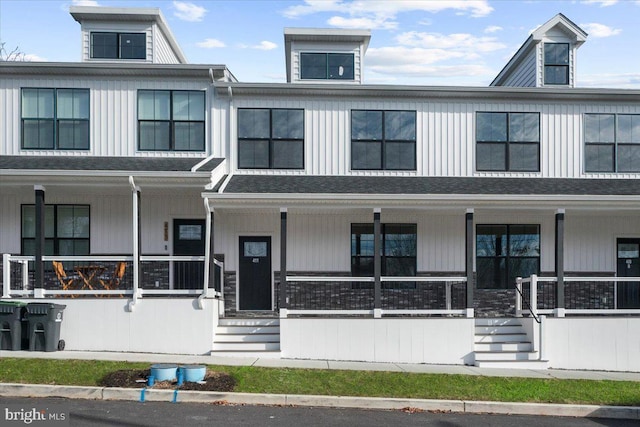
(472, 407)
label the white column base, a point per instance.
(377, 313)
(559, 312)
(469, 312)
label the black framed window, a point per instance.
(383, 140)
(508, 142)
(612, 142)
(399, 249)
(326, 66)
(171, 120)
(118, 45)
(504, 252)
(556, 63)
(55, 119)
(67, 230)
(270, 138)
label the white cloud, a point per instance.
(600, 30)
(265, 45)
(401, 55)
(84, 3)
(211, 43)
(381, 14)
(625, 81)
(189, 11)
(602, 3)
(457, 42)
(34, 58)
(492, 29)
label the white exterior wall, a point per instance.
(162, 325)
(113, 126)
(525, 74)
(310, 47)
(110, 217)
(438, 341)
(599, 343)
(162, 51)
(114, 27)
(445, 135)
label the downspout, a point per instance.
(211, 156)
(229, 139)
(135, 190)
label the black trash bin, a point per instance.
(11, 313)
(44, 320)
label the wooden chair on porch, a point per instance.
(66, 281)
(113, 282)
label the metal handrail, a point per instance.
(526, 302)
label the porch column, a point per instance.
(40, 242)
(469, 260)
(211, 277)
(137, 241)
(560, 303)
(283, 259)
(377, 264)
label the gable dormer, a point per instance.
(111, 34)
(316, 55)
(547, 58)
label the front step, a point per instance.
(247, 337)
(503, 343)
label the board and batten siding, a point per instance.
(163, 53)
(445, 135)
(113, 126)
(525, 74)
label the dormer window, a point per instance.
(118, 45)
(556, 63)
(326, 66)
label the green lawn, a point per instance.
(349, 383)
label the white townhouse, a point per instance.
(323, 218)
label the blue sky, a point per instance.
(421, 42)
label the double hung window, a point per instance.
(171, 120)
(55, 119)
(383, 140)
(326, 66)
(118, 45)
(612, 142)
(556, 63)
(508, 142)
(399, 242)
(270, 138)
(504, 252)
(66, 230)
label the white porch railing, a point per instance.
(583, 295)
(347, 295)
(18, 281)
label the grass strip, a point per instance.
(349, 383)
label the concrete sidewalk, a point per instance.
(325, 364)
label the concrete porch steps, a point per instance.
(503, 343)
(247, 337)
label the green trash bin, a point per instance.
(11, 314)
(44, 320)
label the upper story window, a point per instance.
(171, 120)
(508, 142)
(383, 140)
(118, 45)
(556, 63)
(270, 138)
(66, 230)
(55, 119)
(326, 66)
(612, 142)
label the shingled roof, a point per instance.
(261, 184)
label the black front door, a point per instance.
(255, 273)
(188, 239)
(628, 266)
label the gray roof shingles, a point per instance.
(261, 184)
(95, 163)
